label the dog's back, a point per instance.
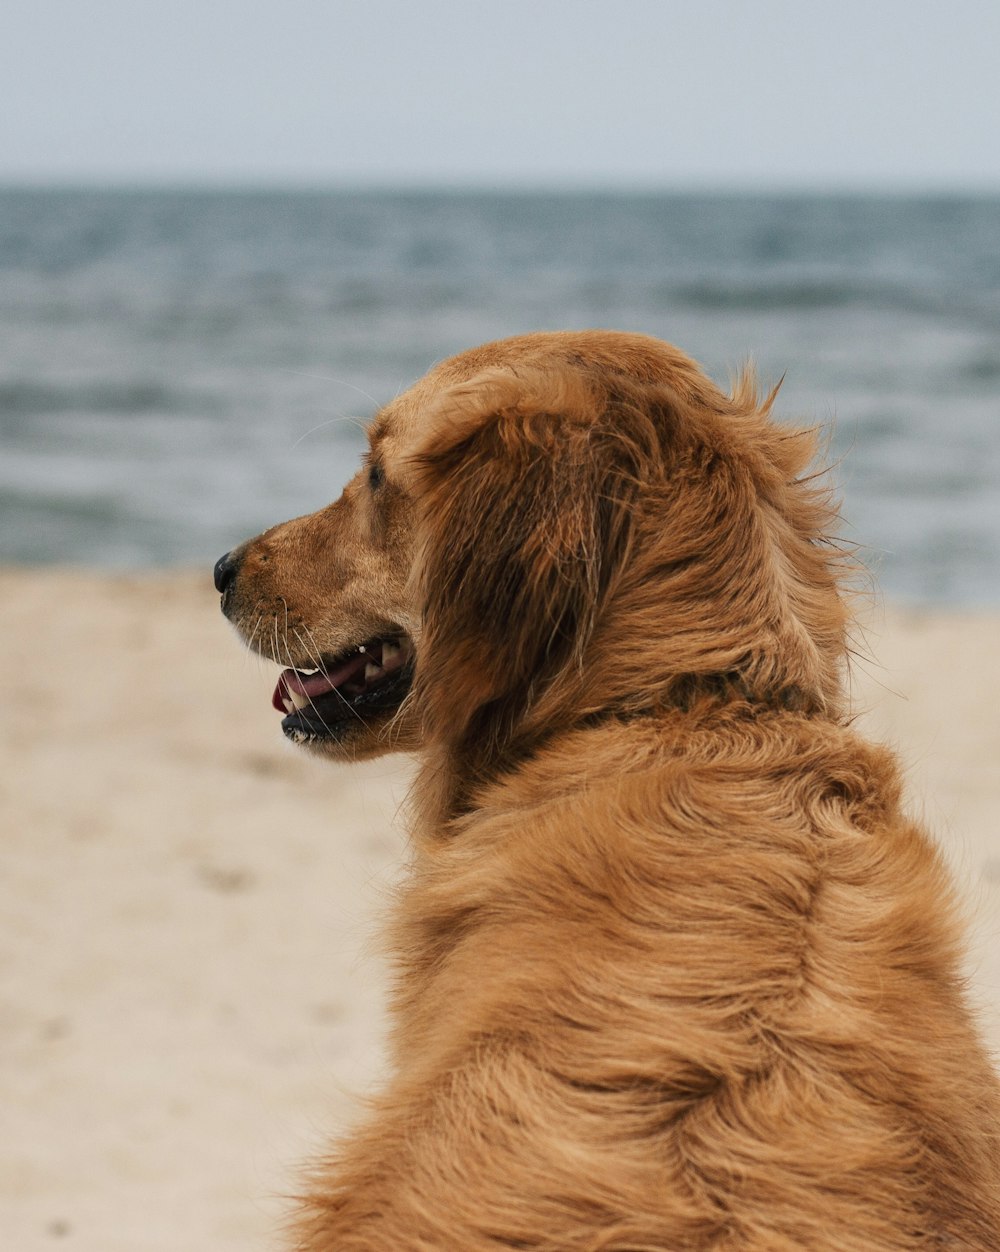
(674, 970)
(690, 983)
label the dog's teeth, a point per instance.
(373, 671)
(287, 702)
(299, 701)
(362, 648)
(389, 651)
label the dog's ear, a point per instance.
(524, 491)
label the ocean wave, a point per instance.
(30, 397)
(179, 369)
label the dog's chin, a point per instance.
(362, 741)
(351, 706)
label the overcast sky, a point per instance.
(704, 93)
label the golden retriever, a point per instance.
(673, 969)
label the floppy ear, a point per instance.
(524, 491)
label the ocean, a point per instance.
(180, 369)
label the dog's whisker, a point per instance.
(314, 651)
(314, 655)
(288, 649)
(251, 650)
(341, 382)
(402, 711)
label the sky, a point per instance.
(881, 94)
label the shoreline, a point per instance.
(189, 983)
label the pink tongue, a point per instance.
(318, 684)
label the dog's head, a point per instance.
(546, 530)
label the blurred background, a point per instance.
(229, 231)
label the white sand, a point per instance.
(189, 991)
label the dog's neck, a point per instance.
(453, 776)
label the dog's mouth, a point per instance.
(322, 703)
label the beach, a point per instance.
(191, 991)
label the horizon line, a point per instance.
(261, 184)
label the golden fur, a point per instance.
(674, 970)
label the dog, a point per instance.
(674, 971)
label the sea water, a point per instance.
(180, 369)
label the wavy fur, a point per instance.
(674, 971)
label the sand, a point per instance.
(190, 995)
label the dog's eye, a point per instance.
(375, 476)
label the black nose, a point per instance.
(225, 571)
